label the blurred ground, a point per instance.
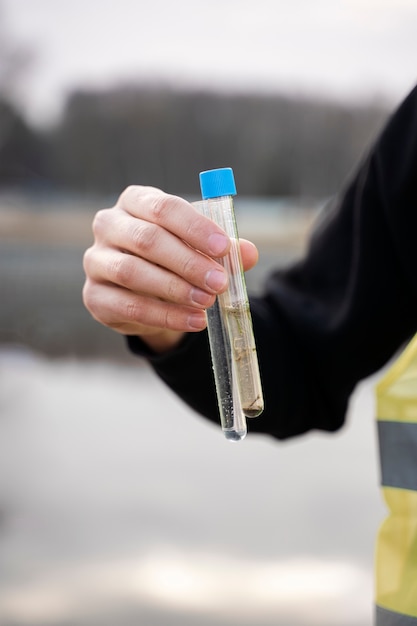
(119, 506)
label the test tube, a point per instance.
(231, 312)
(231, 415)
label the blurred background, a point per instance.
(118, 505)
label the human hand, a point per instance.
(152, 270)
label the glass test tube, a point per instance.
(231, 312)
(231, 415)
(232, 418)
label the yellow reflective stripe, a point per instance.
(396, 392)
(398, 454)
(396, 407)
(396, 554)
(390, 618)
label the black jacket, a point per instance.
(339, 314)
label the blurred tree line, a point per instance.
(20, 146)
(106, 140)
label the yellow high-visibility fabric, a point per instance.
(396, 554)
(396, 550)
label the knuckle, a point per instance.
(121, 269)
(174, 292)
(89, 296)
(189, 266)
(86, 294)
(87, 259)
(167, 319)
(193, 227)
(133, 195)
(173, 318)
(99, 222)
(160, 206)
(128, 195)
(132, 311)
(144, 235)
(138, 311)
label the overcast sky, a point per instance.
(339, 48)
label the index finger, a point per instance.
(177, 216)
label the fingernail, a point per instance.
(218, 244)
(216, 280)
(197, 321)
(198, 296)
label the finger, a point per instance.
(142, 277)
(177, 216)
(131, 313)
(249, 253)
(157, 245)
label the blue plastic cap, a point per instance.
(217, 183)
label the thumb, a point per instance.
(249, 253)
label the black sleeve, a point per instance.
(339, 314)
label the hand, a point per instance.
(151, 270)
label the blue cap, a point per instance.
(217, 183)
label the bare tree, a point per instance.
(19, 146)
(15, 61)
